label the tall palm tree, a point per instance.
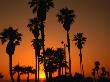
(13, 37)
(64, 55)
(34, 28)
(41, 7)
(37, 46)
(66, 17)
(1, 75)
(79, 42)
(19, 70)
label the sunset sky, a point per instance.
(92, 18)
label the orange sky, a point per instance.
(93, 19)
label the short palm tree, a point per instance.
(66, 17)
(27, 70)
(18, 69)
(1, 75)
(51, 66)
(104, 72)
(13, 37)
(60, 58)
(79, 42)
(93, 74)
(97, 67)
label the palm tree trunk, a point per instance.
(10, 68)
(36, 66)
(50, 76)
(62, 70)
(28, 77)
(59, 70)
(80, 55)
(68, 43)
(65, 58)
(18, 80)
(43, 46)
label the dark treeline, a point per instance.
(53, 60)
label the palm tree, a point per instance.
(104, 72)
(51, 65)
(19, 70)
(13, 37)
(66, 17)
(37, 46)
(41, 7)
(64, 55)
(34, 28)
(93, 73)
(79, 42)
(27, 70)
(97, 67)
(60, 58)
(1, 75)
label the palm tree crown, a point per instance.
(35, 4)
(13, 37)
(79, 40)
(97, 65)
(66, 17)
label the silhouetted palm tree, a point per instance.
(13, 37)
(1, 75)
(41, 7)
(66, 17)
(19, 70)
(44, 5)
(27, 70)
(93, 74)
(65, 55)
(79, 42)
(104, 72)
(37, 43)
(60, 58)
(51, 65)
(97, 67)
(34, 28)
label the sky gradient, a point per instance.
(92, 18)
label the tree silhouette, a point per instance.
(19, 70)
(97, 67)
(34, 28)
(64, 55)
(60, 58)
(37, 46)
(66, 17)
(13, 37)
(79, 42)
(51, 65)
(1, 75)
(93, 74)
(104, 72)
(27, 70)
(41, 7)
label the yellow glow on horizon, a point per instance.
(42, 75)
